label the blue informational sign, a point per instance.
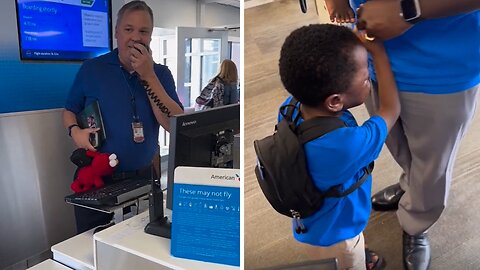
(63, 29)
(206, 215)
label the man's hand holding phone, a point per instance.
(142, 60)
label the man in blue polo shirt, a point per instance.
(135, 95)
(434, 49)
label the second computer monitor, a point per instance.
(203, 139)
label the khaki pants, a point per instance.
(349, 253)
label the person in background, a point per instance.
(325, 68)
(228, 76)
(135, 96)
(222, 89)
(434, 49)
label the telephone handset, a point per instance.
(144, 45)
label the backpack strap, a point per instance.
(333, 191)
(287, 112)
(317, 127)
(312, 128)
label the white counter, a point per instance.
(49, 265)
(76, 252)
(127, 246)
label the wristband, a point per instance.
(70, 129)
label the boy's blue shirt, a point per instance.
(339, 157)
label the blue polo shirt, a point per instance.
(103, 79)
(436, 56)
(338, 158)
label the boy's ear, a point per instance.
(334, 103)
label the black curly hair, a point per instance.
(316, 61)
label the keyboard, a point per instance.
(112, 194)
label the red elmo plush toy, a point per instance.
(92, 166)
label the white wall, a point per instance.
(173, 13)
(218, 15)
(8, 28)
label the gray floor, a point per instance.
(268, 241)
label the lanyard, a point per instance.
(131, 90)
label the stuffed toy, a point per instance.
(91, 167)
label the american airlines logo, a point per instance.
(225, 177)
(184, 124)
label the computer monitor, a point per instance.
(197, 139)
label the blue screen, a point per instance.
(63, 30)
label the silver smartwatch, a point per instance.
(410, 11)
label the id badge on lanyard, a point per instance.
(137, 128)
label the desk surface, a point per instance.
(49, 265)
(76, 252)
(130, 237)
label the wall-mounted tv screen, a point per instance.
(63, 30)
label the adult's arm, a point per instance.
(142, 63)
(234, 95)
(74, 104)
(382, 19)
(231, 94)
(80, 136)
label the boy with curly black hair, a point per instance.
(325, 68)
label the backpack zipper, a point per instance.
(297, 219)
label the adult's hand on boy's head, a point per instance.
(81, 137)
(381, 19)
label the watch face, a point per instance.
(409, 9)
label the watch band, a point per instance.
(70, 129)
(416, 20)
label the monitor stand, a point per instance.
(236, 151)
(159, 224)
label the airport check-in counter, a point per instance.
(124, 246)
